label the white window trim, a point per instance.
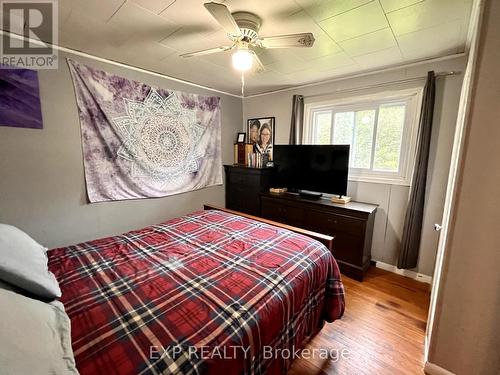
(413, 98)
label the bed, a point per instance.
(211, 292)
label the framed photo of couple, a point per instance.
(260, 133)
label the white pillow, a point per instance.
(23, 263)
(35, 337)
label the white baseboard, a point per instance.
(432, 369)
(411, 274)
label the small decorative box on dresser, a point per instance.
(351, 224)
(244, 186)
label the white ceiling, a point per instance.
(351, 36)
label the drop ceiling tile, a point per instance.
(431, 42)
(287, 63)
(323, 46)
(155, 6)
(192, 16)
(64, 11)
(313, 75)
(378, 40)
(333, 61)
(270, 56)
(269, 77)
(219, 38)
(386, 57)
(359, 21)
(320, 10)
(185, 42)
(201, 72)
(98, 9)
(156, 66)
(467, 10)
(85, 33)
(179, 67)
(269, 10)
(222, 59)
(144, 51)
(425, 14)
(139, 23)
(392, 5)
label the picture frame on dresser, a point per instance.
(241, 137)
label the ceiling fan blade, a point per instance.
(207, 51)
(224, 17)
(286, 41)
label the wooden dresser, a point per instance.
(244, 186)
(351, 224)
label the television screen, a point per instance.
(319, 168)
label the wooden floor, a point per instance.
(382, 330)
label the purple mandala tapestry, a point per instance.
(140, 141)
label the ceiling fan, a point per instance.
(242, 29)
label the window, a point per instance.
(381, 131)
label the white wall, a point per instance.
(466, 332)
(42, 189)
(392, 199)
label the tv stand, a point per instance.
(310, 194)
(350, 224)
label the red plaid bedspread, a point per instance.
(207, 293)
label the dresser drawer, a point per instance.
(332, 224)
(243, 178)
(282, 213)
(243, 203)
(348, 248)
(244, 191)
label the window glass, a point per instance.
(391, 121)
(344, 128)
(363, 139)
(323, 127)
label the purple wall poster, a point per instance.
(141, 141)
(20, 98)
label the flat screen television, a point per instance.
(316, 168)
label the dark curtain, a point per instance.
(410, 244)
(297, 123)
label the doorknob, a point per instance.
(437, 227)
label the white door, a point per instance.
(455, 162)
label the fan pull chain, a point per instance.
(242, 84)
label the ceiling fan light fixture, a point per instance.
(242, 60)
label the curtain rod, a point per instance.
(390, 83)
